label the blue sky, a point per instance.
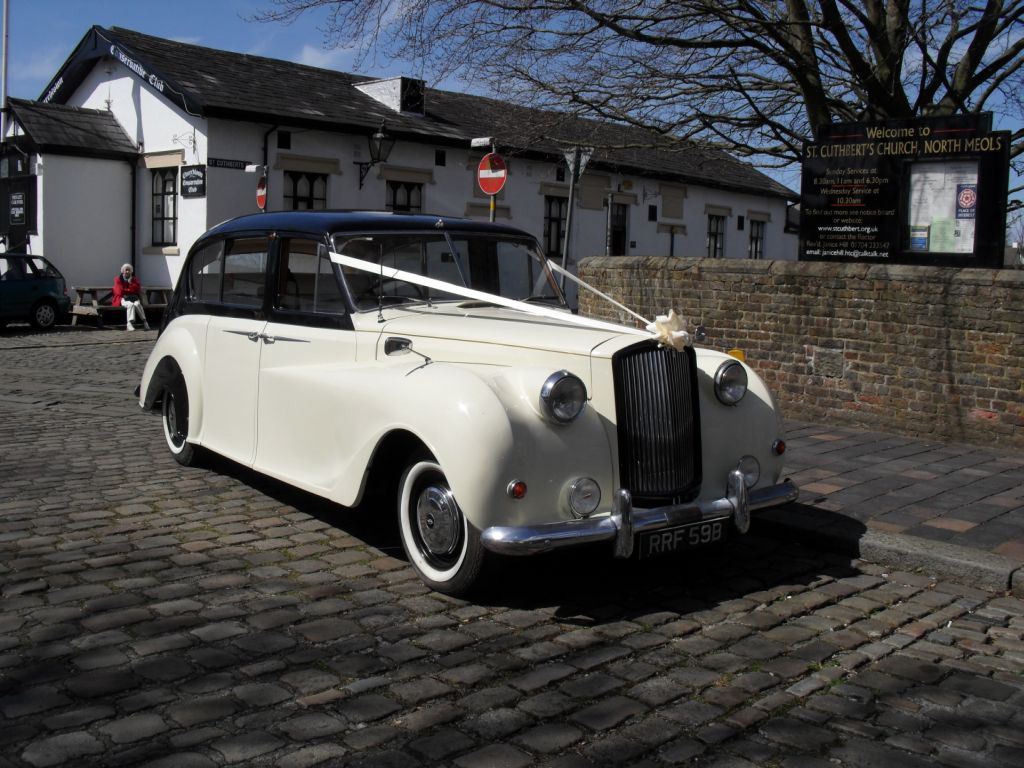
(43, 33)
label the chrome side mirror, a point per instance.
(396, 345)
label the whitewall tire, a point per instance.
(174, 415)
(441, 545)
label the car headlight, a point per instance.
(563, 397)
(730, 382)
(584, 496)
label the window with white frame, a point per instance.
(404, 197)
(755, 249)
(165, 206)
(716, 236)
(555, 208)
(305, 191)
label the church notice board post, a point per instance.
(924, 191)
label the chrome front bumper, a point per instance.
(625, 522)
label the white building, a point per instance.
(140, 144)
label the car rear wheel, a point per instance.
(44, 315)
(174, 413)
(441, 544)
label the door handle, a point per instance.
(252, 336)
(267, 339)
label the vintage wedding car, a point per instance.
(435, 358)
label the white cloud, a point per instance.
(337, 58)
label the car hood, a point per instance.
(487, 324)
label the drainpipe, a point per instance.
(134, 163)
(266, 159)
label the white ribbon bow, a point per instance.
(670, 331)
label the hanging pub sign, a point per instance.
(193, 181)
(17, 209)
(924, 191)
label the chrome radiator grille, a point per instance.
(658, 418)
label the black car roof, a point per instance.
(329, 222)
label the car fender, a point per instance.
(482, 426)
(179, 349)
(729, 432)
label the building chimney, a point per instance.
(401, 94)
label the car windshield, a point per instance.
(510, 267)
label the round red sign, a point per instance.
(261, 193)
(491, 173)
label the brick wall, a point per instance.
(917, 350)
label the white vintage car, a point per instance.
(436, 358)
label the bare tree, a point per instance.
(753, 77)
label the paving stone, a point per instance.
(549, 737)
(314, 754)
(367, 708)
(608, 713)
(63, 748)
(981, 687)
(32, 701)
(134, 728)
(101, 683)
(498, 723)
(246, 746)
(441, 744)
(182, 760)
(495, 756)
(315, 725)
(195, 711)
(798, 735)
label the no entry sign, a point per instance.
(261, 193)
(491, 173)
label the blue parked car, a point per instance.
(33, 290)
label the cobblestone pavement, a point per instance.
(156, 615)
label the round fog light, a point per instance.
(584, 496)
(750, 468)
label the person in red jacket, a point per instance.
(128, 294)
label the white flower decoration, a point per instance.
(670, 331)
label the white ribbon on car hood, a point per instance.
(668, 330)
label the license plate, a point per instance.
(670, 540)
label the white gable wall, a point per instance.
(157, 126)
(84, 217)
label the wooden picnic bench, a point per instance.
(95, 301)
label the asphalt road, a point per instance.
(156, 615)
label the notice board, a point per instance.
(925, 191)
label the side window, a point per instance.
(43, 268)
(306, 280)
(204, 273)
(11, 269)
(245, 271)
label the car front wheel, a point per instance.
(441, 544)
(174, 413)
(44, 315)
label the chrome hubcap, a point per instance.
(45, 314)
(171, 422)
(437, 517)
